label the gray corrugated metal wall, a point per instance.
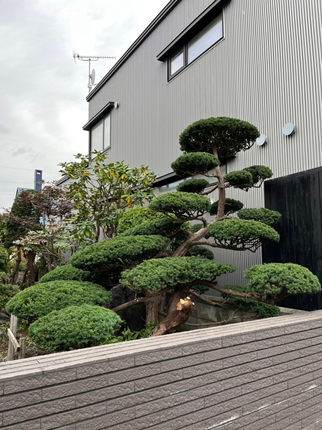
(266, 70)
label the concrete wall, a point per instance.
(265, 374)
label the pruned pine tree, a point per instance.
(166, 250)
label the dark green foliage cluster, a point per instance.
(259, 173)
(137, 216)
(227, 135)
(6, 292)
(66, 273)
(201, 252)
(127, 334)
(266, 216)
(157, 274)
(239, 178)
(183, 205)
(236, 232)
(193, 185)
(231, 206)
(74, 327)
(194, 163)
(195, 227)
(118, 251)
(164, 226)
(274, 279)
(250, 176)
(41, 299)
(263, 310)
(4, 260)
(21, 208)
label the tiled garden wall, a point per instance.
(264, 374)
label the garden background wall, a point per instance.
(264, 374)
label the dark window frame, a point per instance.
(100, 117)
(101, 122)
(184, 48)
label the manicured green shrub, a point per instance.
(157, 274)
(235, 233)
(74, 327)
(194, 163)
(66, 273)
(259, 173)
(231, 206)
(201, 252)
(183, 205)
(279, 280)
(41, 299)
(118, 251)
(227, 135)
(164, 226)
(266, 216)
(239, 178)
(193, 185)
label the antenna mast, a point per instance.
(89, 58)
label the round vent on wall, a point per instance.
(261, 140)
(288, 129)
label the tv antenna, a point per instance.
(89, 58)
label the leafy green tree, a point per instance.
(102, 191)
(36, 226)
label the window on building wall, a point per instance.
(101, 135)
(196, 46)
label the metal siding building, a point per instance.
(266, 70)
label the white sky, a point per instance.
(42, 90)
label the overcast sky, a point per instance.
(42, 89)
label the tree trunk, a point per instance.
(152, 310)
(221, 189)
(31, 273)
(15, 270)
(175, 318)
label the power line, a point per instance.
(18, 182)
(29, 170)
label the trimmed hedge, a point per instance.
(274, 279)
(118, 252)
(74, 327)
(243, 234)
(231, 206)
(157, 274)
(227, 135)
(193, 185)
(196, 163)
(66, 273)
(182, 205)
(41, 299)
(266, 216)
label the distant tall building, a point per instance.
(38, 179)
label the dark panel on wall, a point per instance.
(298, 198)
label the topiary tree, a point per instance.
(74, 327)
(166, 255)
